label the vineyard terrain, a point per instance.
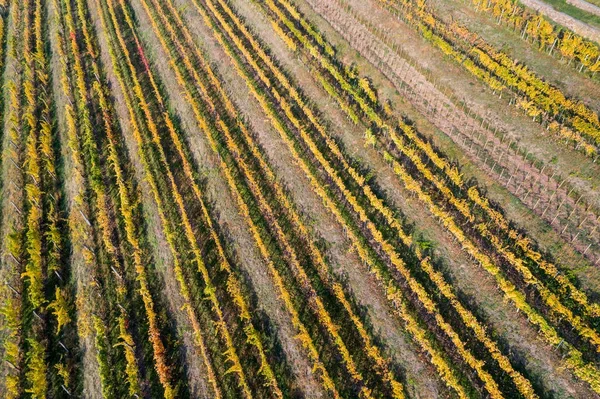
(298, 199)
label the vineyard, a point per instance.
(298, 199)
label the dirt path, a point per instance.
(581, 28)
(469, 278)
(585, 6)
(535, 185)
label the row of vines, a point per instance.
(120, 277)
(549, 36)
(278, 229)
(570, 119)
(522, 257)
(407, 152)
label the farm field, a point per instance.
(299, 199)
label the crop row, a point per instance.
(35, 244)
(411, 145)
(277, 276)
(42, 234)
(451, 174)
(12, 157)
(547, 35)
(569, 119)
(468, 134)
(117, 46)
(108, 233)
(522, 255)
(164, 147)
(128, 212)
(407, 146)
(111, 315)
(413, 184)
(280, 197)
(364, 251)
(233, 284)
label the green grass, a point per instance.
(575, 12)
(595, 2)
